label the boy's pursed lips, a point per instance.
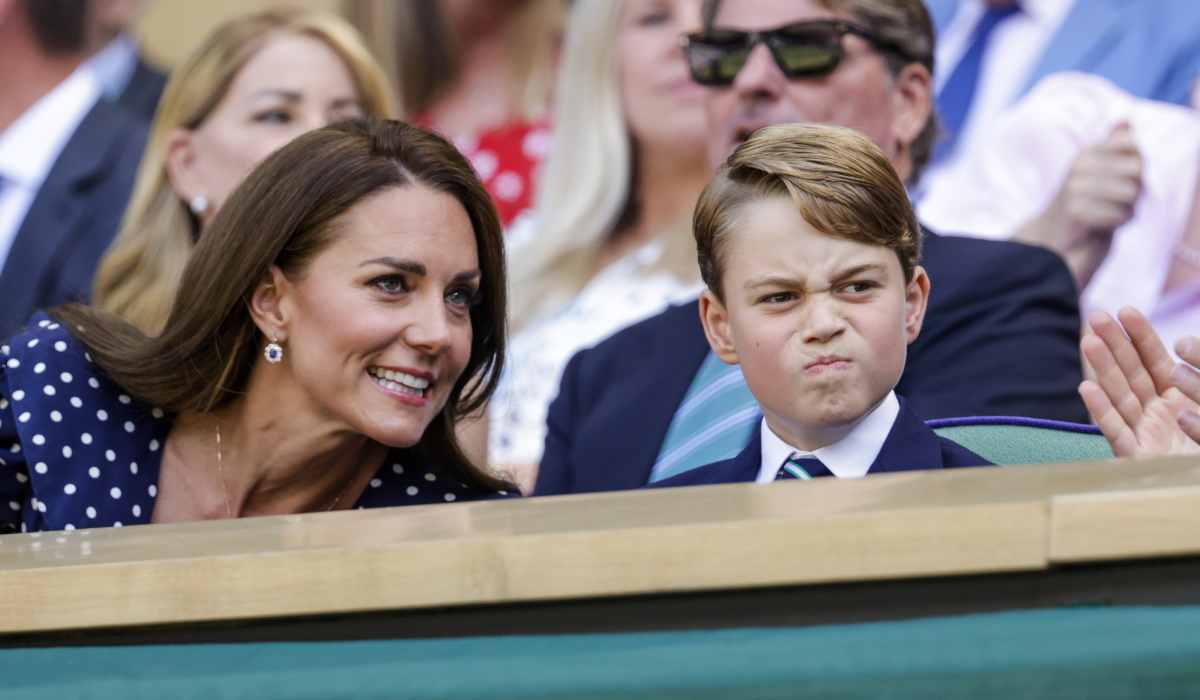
(827, 363)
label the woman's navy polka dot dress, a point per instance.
(77, 452)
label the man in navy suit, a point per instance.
(67, 160)
(1000, 336)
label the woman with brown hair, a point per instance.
(341, 312)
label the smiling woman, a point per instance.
(342, 311)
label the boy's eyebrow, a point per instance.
(860, 269)
(776, 281)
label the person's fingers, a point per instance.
(1189, 422)
(1118, 433)
(1110, 378)
(1188, 349)
(1129, 374)
(1187, 379)
(1150, 349)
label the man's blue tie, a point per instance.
(715, 420)
(802, 468)
(958, 92)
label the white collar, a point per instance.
(31, 144)
(115, 64)
(848, 458)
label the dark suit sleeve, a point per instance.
(555, 472)
(1001, 335)
(615, 404)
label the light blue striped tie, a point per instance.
(715, 421)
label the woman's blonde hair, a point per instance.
(586, 188)
(139, 275)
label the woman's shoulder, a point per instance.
(77, 432)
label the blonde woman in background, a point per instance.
(479, 71)
(610, 242)
(254, 85)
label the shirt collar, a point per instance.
(115, 64)
(848, 458)
(31, 144)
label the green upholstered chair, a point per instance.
(1010, 440)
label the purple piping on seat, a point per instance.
(1014, 420)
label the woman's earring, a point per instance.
(273, 352)
(198, 205)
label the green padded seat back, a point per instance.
(1004, 440)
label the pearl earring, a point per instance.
(273, 352)
(198, 205)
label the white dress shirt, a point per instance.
(1014, 48)
(848, 458)
(30, 146)
(1014, 176)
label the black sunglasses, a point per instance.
(801, 50)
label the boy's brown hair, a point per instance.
(840, 181)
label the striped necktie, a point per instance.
(958, 92)
(797, 467)
(715, 421)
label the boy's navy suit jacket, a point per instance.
(911, 445)
(1001, 338)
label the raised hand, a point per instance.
(1133, 398)
(1098, 197)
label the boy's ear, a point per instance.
(716, 327)
(916, 298)
(270, 304)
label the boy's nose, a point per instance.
(824, 321)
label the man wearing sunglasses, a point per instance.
(1001, 330)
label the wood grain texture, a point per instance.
(891, 526)
(1125, 524)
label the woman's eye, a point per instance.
(461, 297)
(650, 19)
(392, 284)
(274, 116)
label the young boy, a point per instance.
(809, 247)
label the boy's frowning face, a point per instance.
(820, 325)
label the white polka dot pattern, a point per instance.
(63, 453)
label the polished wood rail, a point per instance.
(900, 526)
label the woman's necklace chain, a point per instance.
(225, 489)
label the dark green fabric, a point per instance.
(1021, 444)
(1060, 653)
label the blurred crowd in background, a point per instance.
(125, 125)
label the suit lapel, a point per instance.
(57, 212)
(745, 466)
(911, 445)
(671, 357)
